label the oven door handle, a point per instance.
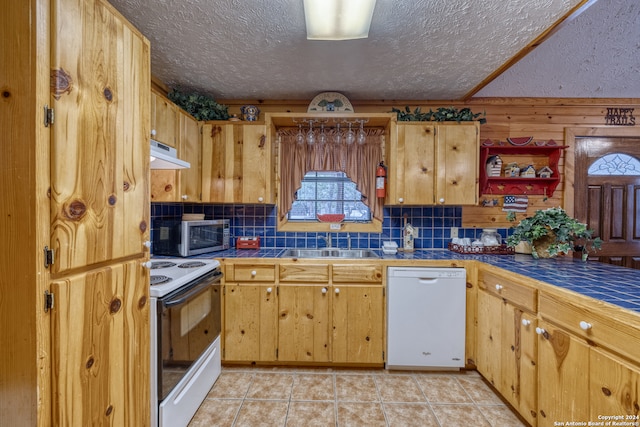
(184, 297)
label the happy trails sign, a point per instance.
(620, 117)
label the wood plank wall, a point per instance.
(542, 118)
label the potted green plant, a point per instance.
(442, 114)
(552, 232)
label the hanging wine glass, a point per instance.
(322, 138)
(350, 136)
(362, 135)
(337, 138)
(300, 135)
(311, 137)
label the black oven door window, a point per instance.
(189, 322)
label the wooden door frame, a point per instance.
(570, 135)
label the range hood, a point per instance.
(165, 157)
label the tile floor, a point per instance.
(245, 396)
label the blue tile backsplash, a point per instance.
(434, 223)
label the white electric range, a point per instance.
(185, 336)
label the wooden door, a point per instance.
(563, 377)
(100, 348)
(99, 142)
(257, 165)
(303, 323)
(411, 165)
(251, 321)
(457, 157)
(607, 196)
(358, 324)
(614, 387)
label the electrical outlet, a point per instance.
(454, 232)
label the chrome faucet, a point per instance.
(327, 239)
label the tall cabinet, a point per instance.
(75, 211)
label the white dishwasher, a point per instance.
(426, 311)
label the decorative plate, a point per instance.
(519, 142)
(330, 102)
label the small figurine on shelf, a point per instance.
(528, 172)
(512, 170)
(545, 172)
(494, 166)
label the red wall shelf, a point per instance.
(490, 185)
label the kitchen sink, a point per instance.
(329, 253)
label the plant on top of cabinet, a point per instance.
(201, 107)
(442, 114)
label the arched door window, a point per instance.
(618, 164)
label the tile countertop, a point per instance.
(616, 285)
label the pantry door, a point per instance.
(607, 195)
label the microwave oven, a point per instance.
(186, 238)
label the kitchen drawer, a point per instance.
(304, 273)
(600, 324)
(251, 273)
(515, 293)
(357, 273)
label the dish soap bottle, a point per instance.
(408, 235)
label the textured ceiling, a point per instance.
(416, 50)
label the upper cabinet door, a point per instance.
(458, 150)
(164, 120)
(100, 83)
(190, 149)
(411, 165)
(237, 164)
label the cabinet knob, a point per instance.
(146, 264)
(499, 287)
(400, 200)
(153, 132)
(526, 322)
(585, 326)
(260, 199)
(540, 331)
(184, 197)
(253, 273)
(324, 290)
(441, 201)
(337, 291)
(269, 290)
(147, 244)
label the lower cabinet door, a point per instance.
(303, 323)
(250, 322)
(614, 387)
(100, 347)
(358, 324)
(563, 382)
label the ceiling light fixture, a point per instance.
(338, 19)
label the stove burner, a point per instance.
(192, 264)
(162, 264)
(159, 280)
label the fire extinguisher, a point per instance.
(381, 180)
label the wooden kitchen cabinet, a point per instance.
(304, 323)
(433, 163)
(251, 322)
(75, 143)
(181, 185)
(165, 121)
(507, 342)
(563, 376)
(100, 335)
(584, 363)
(237, 163)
